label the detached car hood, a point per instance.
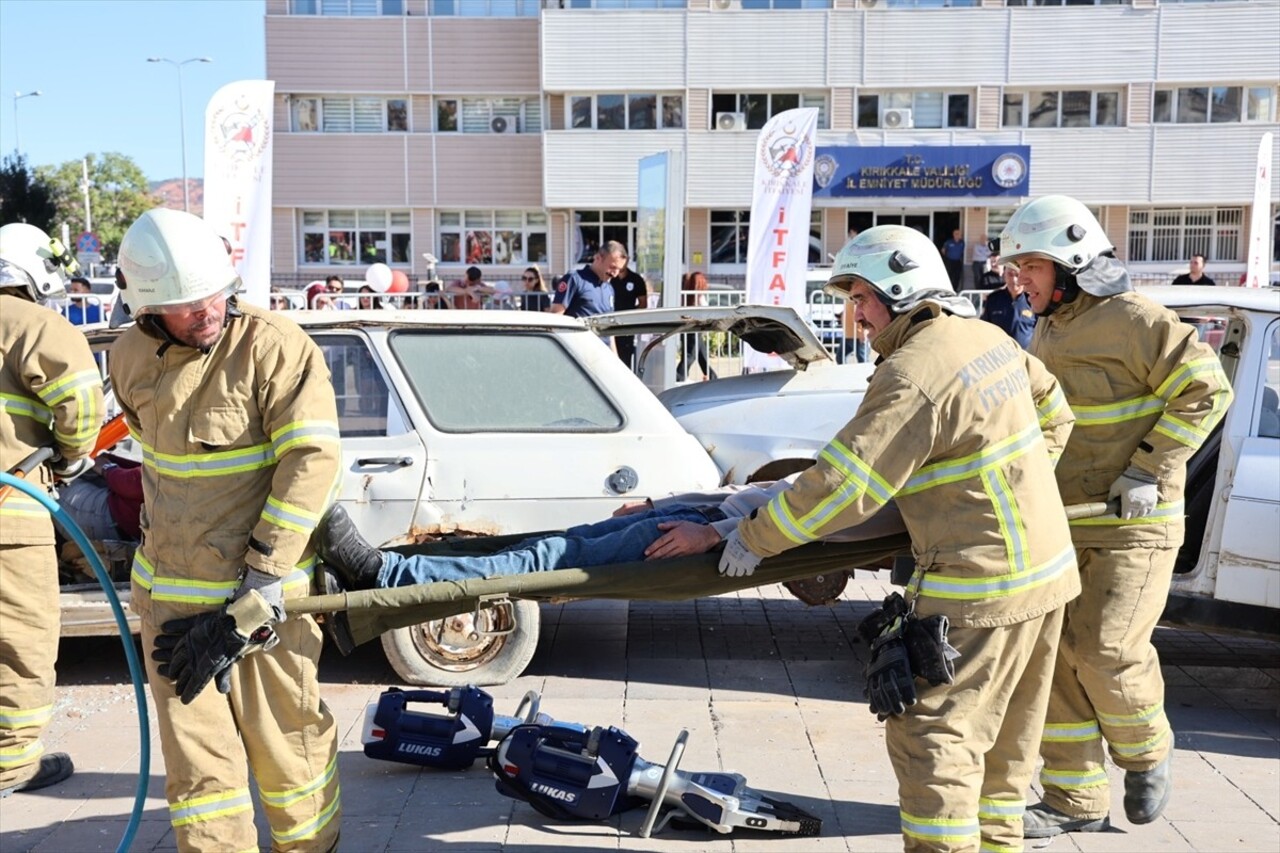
(767, 328)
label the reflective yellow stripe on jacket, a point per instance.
(207, 593)
(859, 479)
(85, 386)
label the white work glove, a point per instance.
(65, 471)
(737, 561)
(1137, 491)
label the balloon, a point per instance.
(399, 282)
(378, 277)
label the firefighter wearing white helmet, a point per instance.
(959, 426)
(235, 409)
(50, 396)
(1146, 393)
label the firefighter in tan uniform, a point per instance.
(960, 426)
(1146, 393)
(50, 396)
(235, 414)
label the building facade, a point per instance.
(506, 133)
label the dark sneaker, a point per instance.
(335, 624)
(1044, 821)
(1146, 792)
(341, 546)
(54, 768)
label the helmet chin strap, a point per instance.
(1065, 289)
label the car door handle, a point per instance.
(397, 461)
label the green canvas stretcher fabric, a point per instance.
(372, 612)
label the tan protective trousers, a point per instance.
(29, 620)
(965, 753)
(274, 721)
(1107, 681)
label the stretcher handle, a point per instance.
(1093, 510)
(33, 461)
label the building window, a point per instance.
(446, 115)
(492, 237)
(347, 8)
(926, 109)
(1069, 2)
(730, 230)
(485, 8)
(1175, 234)
(312, 114)
(759, 108)
(1070, 108)
(931, 4)
(499, 115)
(771, 4)
(350, 237)
(594, 228)
(1213, 104)
(635, 111)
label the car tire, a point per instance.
(444, 654)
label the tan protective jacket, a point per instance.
(50, 395)
(1145, 391)
(958, 424)
(240, 456)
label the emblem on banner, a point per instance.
(1008, 170)
(784, 153)
(824, 170)
(241, 131)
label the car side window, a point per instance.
(366, 406)
(1269, 417)
(502, 382)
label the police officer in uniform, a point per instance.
(630, 291)
(50, 396)
(1146, 393)
(960, 426)
(589, 291)
(235, 413)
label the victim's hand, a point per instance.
(632, 508)
(680, 539)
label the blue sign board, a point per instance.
(845, 171)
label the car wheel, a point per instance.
(451, 652)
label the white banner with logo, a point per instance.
(237, 179)
(778, 240)
(1258, 271)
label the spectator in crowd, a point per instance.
(981, 260)
(1010, 309)
(589, 291)
(83, 308)
(106, 504)
(953, 258)
(535, 296)
(692, 346)
(322, 296)
(279, 302)
(433, 298)
(370, 301)
(469, 293)
(630, 291)
(1194, 275)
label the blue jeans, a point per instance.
(614, 540)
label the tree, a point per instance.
(117, 196)
(23, 196)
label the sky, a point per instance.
(88, 58)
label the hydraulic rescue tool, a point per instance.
(565, 770)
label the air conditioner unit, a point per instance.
(872, 4)
(725, 5)
(895, 118)
(731, 121)
(502, 124)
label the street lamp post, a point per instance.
(182, 123)
(18, 96)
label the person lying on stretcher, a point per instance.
(665, 528)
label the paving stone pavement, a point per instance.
(765, 686)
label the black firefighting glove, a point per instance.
(875, 623)
(891, 687)
(198, 649)
(930, 655)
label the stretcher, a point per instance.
(371, 613)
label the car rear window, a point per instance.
(502, 382)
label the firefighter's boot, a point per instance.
(1146, 792)
(341, 546)
(1043, 821)
(54, 768)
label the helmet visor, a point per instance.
(12, 275)
(841, 287)
(195, 306)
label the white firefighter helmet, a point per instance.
(1056, 227)
(33, 262)
(899, 262)
(172, 260)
